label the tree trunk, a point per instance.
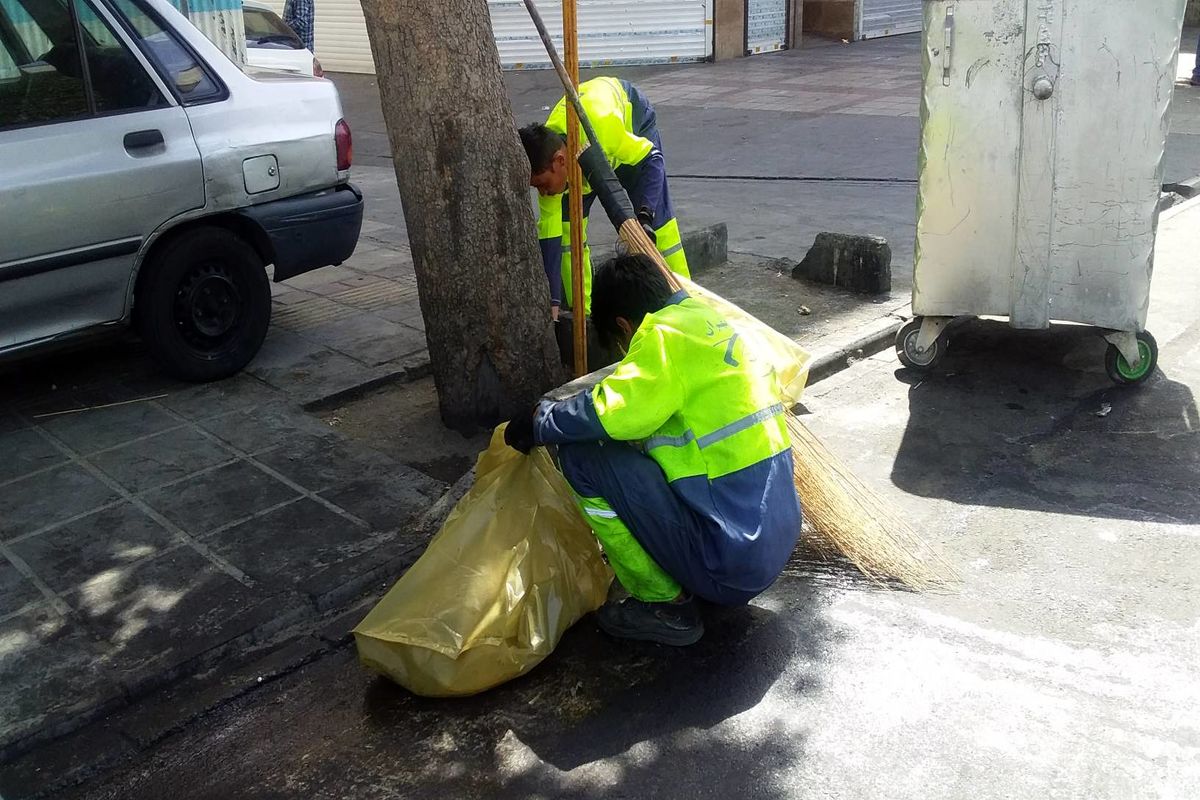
(464, 183)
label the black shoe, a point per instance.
(675, 624)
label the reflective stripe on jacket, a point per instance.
(712, 419)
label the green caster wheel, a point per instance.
(1118, 368)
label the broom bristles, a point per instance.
(845, 516)
(636, 241)
(848, 518)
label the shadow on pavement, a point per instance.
(602, 718)
(1011, 417)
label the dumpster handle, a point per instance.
(947, 45)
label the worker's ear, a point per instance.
(560, 158)
(626, 328)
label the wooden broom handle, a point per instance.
(564, 77)
(630, 231)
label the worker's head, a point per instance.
(624, 290)
(547, 153)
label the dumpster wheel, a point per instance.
(906, 347)
(1118, 368)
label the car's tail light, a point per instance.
(317, 71)
(345, 148)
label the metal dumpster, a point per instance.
(1043, 128)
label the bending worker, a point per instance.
(680, 460)
(625, 124)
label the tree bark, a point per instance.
(464, 184)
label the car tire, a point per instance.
(204, 305)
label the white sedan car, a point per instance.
(271, 44)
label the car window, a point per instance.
(173, 60)
(264, 27)
(45, 80)
(29, 32)
(119, 81)
(8, 67)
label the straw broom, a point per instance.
(845, 516)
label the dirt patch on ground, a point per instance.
(402, 421)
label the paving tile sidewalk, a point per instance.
(340, 328)
(821, 78)
(145, 540)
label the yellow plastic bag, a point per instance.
(770, 348)
(514, 566)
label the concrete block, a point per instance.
(858, 263)
(706, 247)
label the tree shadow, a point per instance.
(1030, 419)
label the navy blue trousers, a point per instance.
(636, 488)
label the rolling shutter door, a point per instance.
(888, 17)
(610, 32)
(340, 37)
(766, 25)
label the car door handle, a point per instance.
(138, 140)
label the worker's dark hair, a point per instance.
(626, 286)
(540, 144)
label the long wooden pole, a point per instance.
(630, 231)
(564, 77)
(575, 192)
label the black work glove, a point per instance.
(646, 217)
(519, 433)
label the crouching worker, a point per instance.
(680, 460)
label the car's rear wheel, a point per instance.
(204, 304)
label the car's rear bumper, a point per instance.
(310, 231)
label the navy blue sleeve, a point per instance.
(552, 263)
(652, 176)
(565, 421)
